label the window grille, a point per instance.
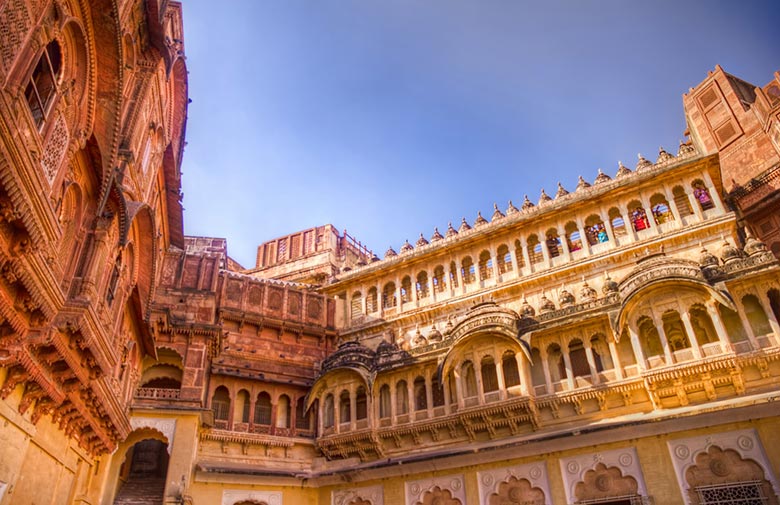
(734, 493)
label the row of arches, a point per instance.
(535, 250)
(259, 413)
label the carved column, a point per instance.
(513, 256)
(714, 195)
(352, 408)
(770, 315)
(447, 395)
(659, 325)
(720, 328)
(526, 256)
(608, 228)
(458, 389)
(591, 361)
(686, 319)
(480, 390)
(613, 352)
(628, 223)
(564, 244)
(525, 376)
(637, 348)
(410, 399)
(649, 213)
(398, 300)
(673, 207)
(746, 325)
(583, 237)
(393, 409)
(429, 395)
(695, 205)
(500, 376)
(567, 366)
(546, 370)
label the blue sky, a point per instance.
(390, 117)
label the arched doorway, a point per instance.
(723, 476)
(143, 473)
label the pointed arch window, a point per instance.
(42, 87)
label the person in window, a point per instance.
(602, 233)
(552, 246)
(703, 196)
(640, 219)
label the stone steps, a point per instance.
(141, 491)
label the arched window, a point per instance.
(504, 259)
(437, 392)
(467, 270)
(388, 296)
(661, 211)
(361, 404)
(113, 281)
(649, 337)
(420, 395)
(220, 404)
(702, 325)
(595, 230)
(371, 305)
(638, 216)
(401, 398)
(384, 402)
(555, 363)
(519, 254)
(469, 379)
(42, 87)
(681, 201)
(733, 324)
(345, 409)
(356, 307)
(578, 358)
(242, 406)
(263, 409)
(756, 316)
(489, 376)
(328, 412)
(600, 350)
(535, 255)
(301, 415)
(702, 195)
(406, 289)
(439, 282)
(511, 373)
(422, 285)
(573, 239)
(617, 222)
(774, 302)
(283, 412)
(553, 243)
(675, 331)
(485, 265)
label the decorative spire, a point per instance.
(587, 293)
(622, 169)
(752, 244)
(544, 197)
(582, 184)
(663, 156)
(511, 209)
(601, 178)
(545, 304)
(643, 163)
(526, 310)
(561, 191)
(451, 232)
(390, 253)
(609, 286)
(565, 298)
(421, 241)
(480, 220)
(464, 226)
(497, 214)
(436, 235)
(686, 149)
(527, 203)
(406, 247)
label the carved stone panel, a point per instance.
(606, 473)
(372, 495)
(233, 496)
(448, 490)
(686, 453)
(520, 483)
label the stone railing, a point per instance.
(157, 394)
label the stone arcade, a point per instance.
(617, 343)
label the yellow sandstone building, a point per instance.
(614, 343)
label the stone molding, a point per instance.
(233, 496)
(745, 442)
(166, 426)
(373, 494)
(416, 489)
(535, 473)
(573, 469)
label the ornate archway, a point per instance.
(723, 476)
(606, 485)
(438, 496)
(514, 490)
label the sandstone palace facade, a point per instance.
(614, 343)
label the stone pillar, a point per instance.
(594, 374)
(393, 408)
(770, 315)
(569, 372)
(686, 319)
(352, 409)
(673, 207)
(513, 256)
(695, 205)
(637, 348)
(659, 326)
(458, 389)
(526, 256)
(564, 244)
(720, 328)
(629, 223)
(336, 413)
(447, 394)
(500, 376)
(714, 196)
(746, 325)
(546, 370)
(545, 251)
(583, 236)
(478, 374)
(649, 213)
(608, 228)
(526, 382)
(613, 352)
(429, 395)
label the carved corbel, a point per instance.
(17, 375)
